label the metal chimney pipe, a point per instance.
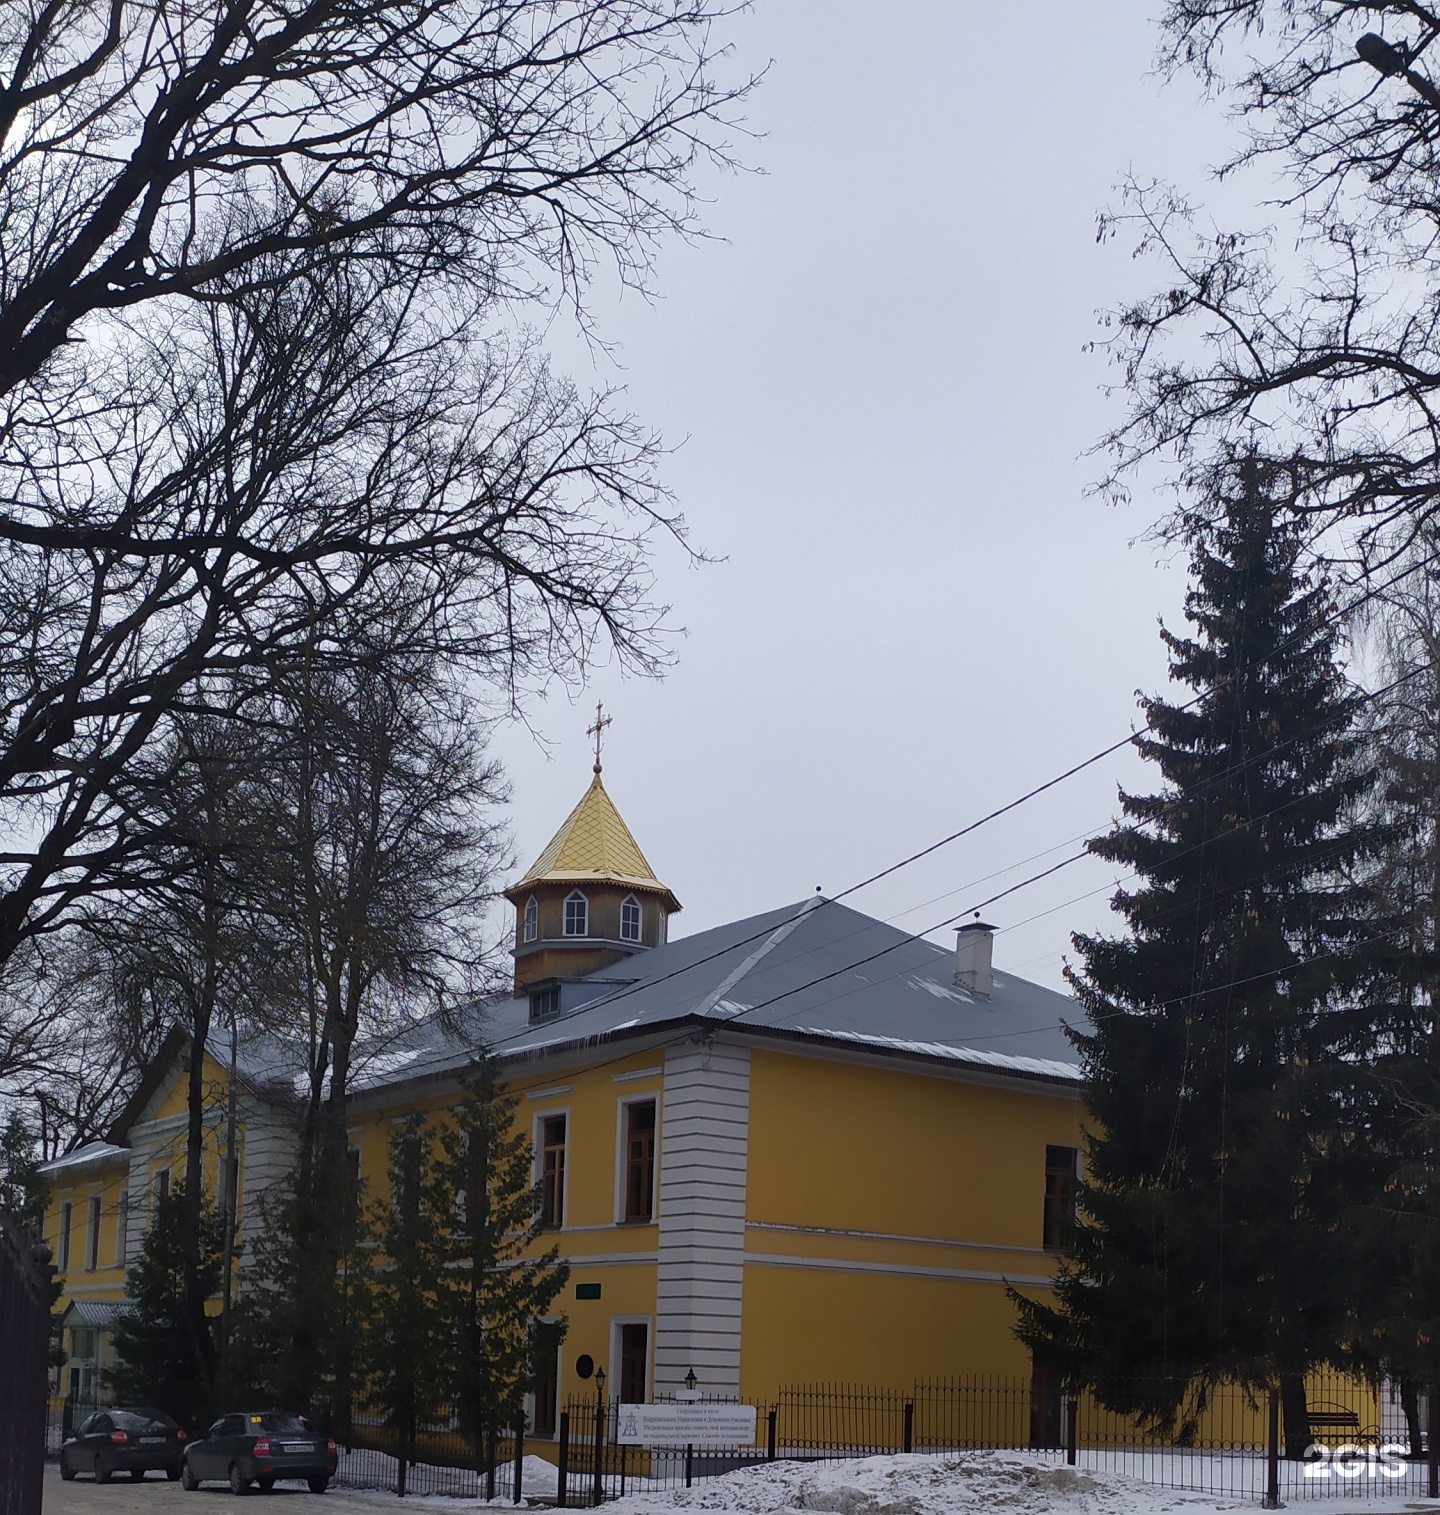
(974, 953)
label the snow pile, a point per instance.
(922, 1485)
(366, 1469)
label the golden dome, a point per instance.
(594, 845)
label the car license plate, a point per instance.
(296, 1446)
(152, 1441)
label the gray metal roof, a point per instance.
(97, 1314)
(815, 972)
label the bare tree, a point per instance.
(308, 450)
(256, 262)
(386, 849)
(1316, 338)
(154, 149)
(75, 1039)
(380, 809)
(191, 939)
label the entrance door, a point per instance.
(634, 1362)
(546, 1355)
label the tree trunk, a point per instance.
(1410, 1407)
(196, 1323)
(1296, 1415)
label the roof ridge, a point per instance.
(778, 935)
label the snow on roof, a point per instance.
(816, 970)
(91, 1152)
(1043, 1067)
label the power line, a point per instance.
(1135, 736)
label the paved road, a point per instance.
(157, 1496)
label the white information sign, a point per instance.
(681, 1425)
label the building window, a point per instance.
(552, 1171)
(67, 1210)
(122, 1228)
(577, 914)
(545, 1003)
(662, 934)
(630, 919)
(1062, 1167)
(162, 1186)
(545, 1351)
(634, 1362)
(532, 919)
(92, 1259)
(640, 1161)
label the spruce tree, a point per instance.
(157, 1363)
(497, 1290)
(24, 1194)
(1211, 1243)
(407, 1340)
(296, 1325)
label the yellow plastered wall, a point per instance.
(111, 1180)
(852, 1145)
(106, 1182)
(882, 1330)
(874, 1191)
(617, 1257)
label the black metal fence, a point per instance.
(25, 1297)
(1359, 1441)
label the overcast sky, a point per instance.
(880, 383)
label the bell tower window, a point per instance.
(532, 919)
(577, 914)
(630, 919)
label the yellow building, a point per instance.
(799, 1147)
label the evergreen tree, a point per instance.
(307, 1295)
(1211, 1243)
(157, 1361)
(496, 1289)
(407, 1342)
(23, 1190)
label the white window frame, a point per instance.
(640, 1097)
(530, 922)
(662, 934)
(577, 894)
(648, 1321)
(122, 1228)
(537, 1155)
(631, 899)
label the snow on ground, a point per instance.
(924, 1485)
(965, 1483)
(364, 1469)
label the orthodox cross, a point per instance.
(598, 729)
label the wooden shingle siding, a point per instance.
(704, 1153)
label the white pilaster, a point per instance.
(704, 1150)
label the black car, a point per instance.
(260, 1447)
(124, 1441)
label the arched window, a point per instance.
(630, 919)
(577, 914)
(532, 919)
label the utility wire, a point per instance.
(1135, 736)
